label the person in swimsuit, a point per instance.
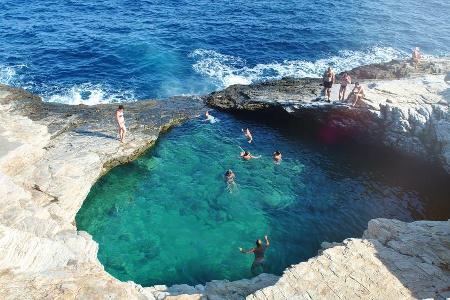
(121, 123)
(210, 118)
(345, 80)
(277, 156)
(357, 93)
(328, 80)
(229, 176)
(259, 254)
(247, 156)
(416, 56)
(248, 134)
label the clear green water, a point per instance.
(169, 218)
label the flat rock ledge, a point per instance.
(51, 155)
(406, 109)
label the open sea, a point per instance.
(102, 51)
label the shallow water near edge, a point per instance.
(169, 218)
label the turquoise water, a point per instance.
(169, 218)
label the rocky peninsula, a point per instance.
(51, 154)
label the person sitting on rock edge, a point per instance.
(259, 254)
(357, 93)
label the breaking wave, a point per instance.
(227, 70)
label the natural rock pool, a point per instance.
(168, 217)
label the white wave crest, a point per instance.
(227, 70)
(8, 74)
(88, 94)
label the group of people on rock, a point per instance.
(357, 94)
(329, 78)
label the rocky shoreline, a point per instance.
(51, 155)
(405, 109)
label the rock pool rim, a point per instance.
(23, 94)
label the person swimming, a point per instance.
(121, 123)
(277, 156)
(247, 155)
(229, 176)
(248, 135)
(259, 254)
(210, 118)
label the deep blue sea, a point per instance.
(105, 51)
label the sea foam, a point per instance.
(226, 70)
(87, 94)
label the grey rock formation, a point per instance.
(404, 108)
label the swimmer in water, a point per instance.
(229, 176)
(210, 118)
(259, 254)
(247, 156)
(248, 134)
(277, 156)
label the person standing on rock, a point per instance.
(259, 250)
(345, 80)
(121, 122)
(416, 56)
(328, 79)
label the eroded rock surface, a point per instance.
(394, 260)
(406, 109)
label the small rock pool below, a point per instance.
(169, 218)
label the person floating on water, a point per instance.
(121, 123)
(229, 179)
(248, 135)
(229, 176)
(345, 80)
(328, 79)
(416, 57)
(210, 118)
(259, 254)
(277, 156)
(357, 93)
(247, 155)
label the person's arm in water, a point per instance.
(267, 241)
(247, 252)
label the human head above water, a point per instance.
(277, 152)
(246, 153)
(258, 243)
(356, 83)
(120, 107)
